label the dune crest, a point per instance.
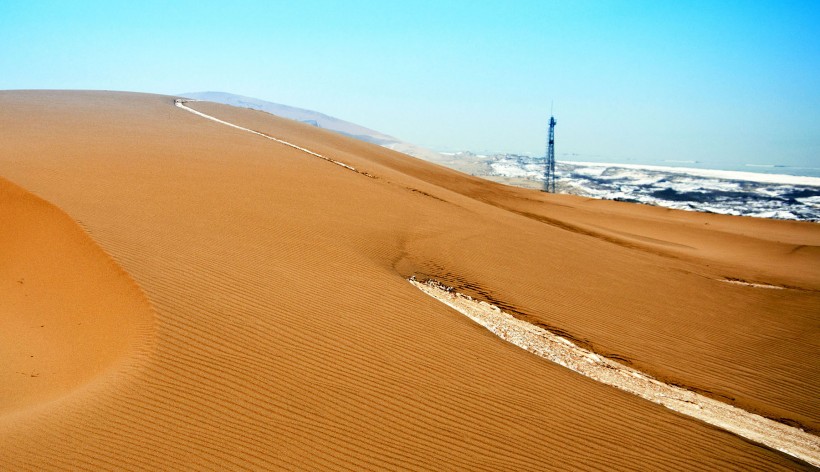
(69, 313)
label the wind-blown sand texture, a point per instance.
(69, 313)
(281, 331)
(562, 351)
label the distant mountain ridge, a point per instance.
(317, 119)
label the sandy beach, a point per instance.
(182, 294)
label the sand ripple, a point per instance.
(69, 312)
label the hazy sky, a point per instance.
(716, 81)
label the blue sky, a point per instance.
(720, 82)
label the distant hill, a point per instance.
(317, 119)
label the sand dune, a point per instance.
(69, 313)
(285, 334)
(562, 351)
(640, 283)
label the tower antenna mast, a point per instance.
(549, 168)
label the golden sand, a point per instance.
(283, 333)
(789, 439)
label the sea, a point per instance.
(762, 191)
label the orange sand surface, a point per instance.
(68, 312)
(271, 325)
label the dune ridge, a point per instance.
(181, 104)
(70, 314)
(287, 337)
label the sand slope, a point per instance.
(640, 283)
(286, 335)
(69, 313)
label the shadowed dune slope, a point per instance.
(68, 312)
(286, 335)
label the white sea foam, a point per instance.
(684, 189)
(813, 201)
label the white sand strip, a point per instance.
(788, 439)
(181, 104)
(752, 284)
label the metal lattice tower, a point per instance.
(549, 168)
